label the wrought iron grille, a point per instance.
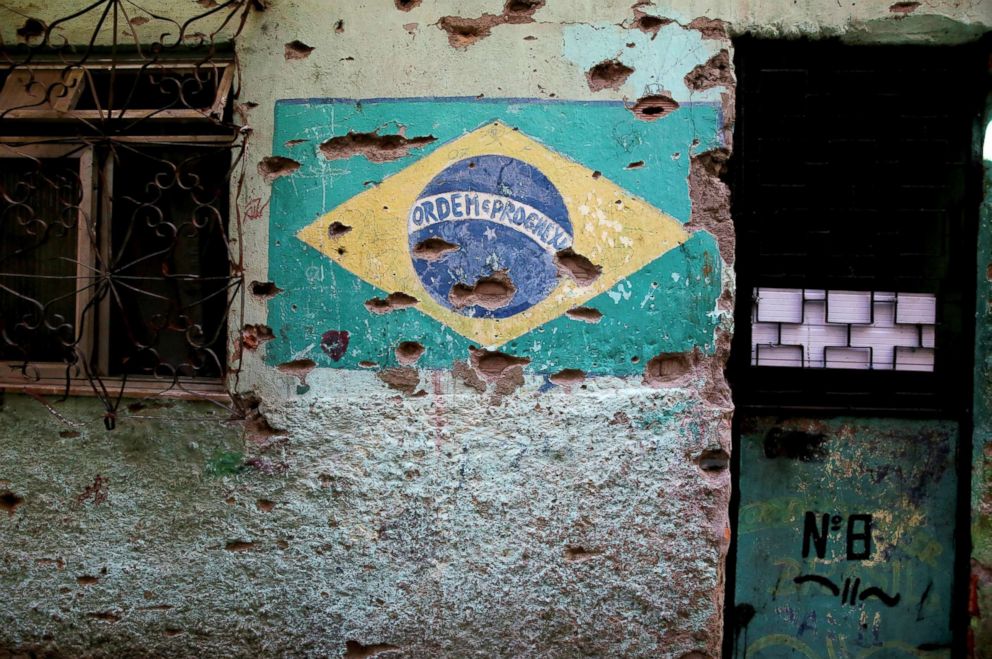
(121, 166)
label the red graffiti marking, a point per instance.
(255, 208)
(334, 343)
(438, 410)
(95, 493)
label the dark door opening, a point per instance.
(855, 200)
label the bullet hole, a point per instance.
(273, 167)
(493, 365)
(714, 460)
(105, 616)
(253, 336)
(69, 434)
(339, 26)
(493, 292)
(467, 375)
(667, 367)
(265, 506)
(635, 359)
(407, 5)
(649, 24)
(296, 49)
(585, 314)
(567, 377)
(32, 28)
(904, 7)
(411, 27)
(597, 174)
(580, 269)
(578, 553)
(404, 378)
(372, 146)
(608, 74)
(710, 28)
(434, 249)
(714, 72)
(138, 21)
(463, 32)
(522, 7)
(355, 650)
(347, 59)
(530, 37)
(87, 580)
(637, 164)
(795, 445)
(336, 230)
(10, 501)
(239, 545)
(341, 251)
(392, 302)
(367, 364)
(408, 352)
(334, 343)
(265, 289)
(298, 368)
(170, 631)
(654, 107)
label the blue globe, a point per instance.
(500, 219)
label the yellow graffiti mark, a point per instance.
(613, 228)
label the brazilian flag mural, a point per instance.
(550, 230)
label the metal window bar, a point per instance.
(119, 210)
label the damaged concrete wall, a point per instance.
(423, 483)
(512, 323)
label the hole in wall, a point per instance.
(273, 167)
(608, 74)
(577, 267)
(10, 501)
(296, 49)
(408, 352)
(392, 302)
(265, 289)
(585, 314)
(493, 292)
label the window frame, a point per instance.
(76, 78)
(95, 334)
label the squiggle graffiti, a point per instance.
(850, 594)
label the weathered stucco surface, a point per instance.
(530, 520)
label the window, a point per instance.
(115, 270)
(855, 201)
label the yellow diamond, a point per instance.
(612, 228)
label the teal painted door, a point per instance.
(845, 544)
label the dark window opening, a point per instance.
(854, 170)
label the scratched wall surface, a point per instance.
(846, 538)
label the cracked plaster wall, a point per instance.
(355, 519)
